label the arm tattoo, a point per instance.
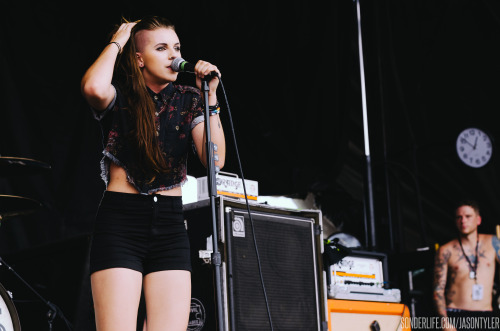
(496, 246)
(452, 275)
(440, 275)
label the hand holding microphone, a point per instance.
(201, 67)
(202, 70)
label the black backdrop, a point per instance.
(285, 115)
(291, 73)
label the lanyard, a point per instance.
(473, 273)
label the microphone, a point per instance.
(181, 65)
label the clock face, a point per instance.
(474, 147)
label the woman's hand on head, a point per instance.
(122, 35)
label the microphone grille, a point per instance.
(176, 64)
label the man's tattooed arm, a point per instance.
(496, 246)
(440, 274)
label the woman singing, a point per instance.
(140, 240)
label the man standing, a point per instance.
(465, 269)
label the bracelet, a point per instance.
(117, 45)
(214, 110)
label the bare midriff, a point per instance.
(118, 183)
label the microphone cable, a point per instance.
(247, 204)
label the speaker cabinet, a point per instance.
(361, 315)
(288, 244)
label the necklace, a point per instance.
(473, 273)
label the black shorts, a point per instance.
(145, 233)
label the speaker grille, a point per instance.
(288, 260)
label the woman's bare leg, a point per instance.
(168, 300)
(116, 293)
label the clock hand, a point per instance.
(475, 144)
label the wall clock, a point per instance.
(474, 147)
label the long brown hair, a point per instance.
(142, 109)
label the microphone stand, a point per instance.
(212, 193)
(53, 309)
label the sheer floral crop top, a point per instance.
(178, 110)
